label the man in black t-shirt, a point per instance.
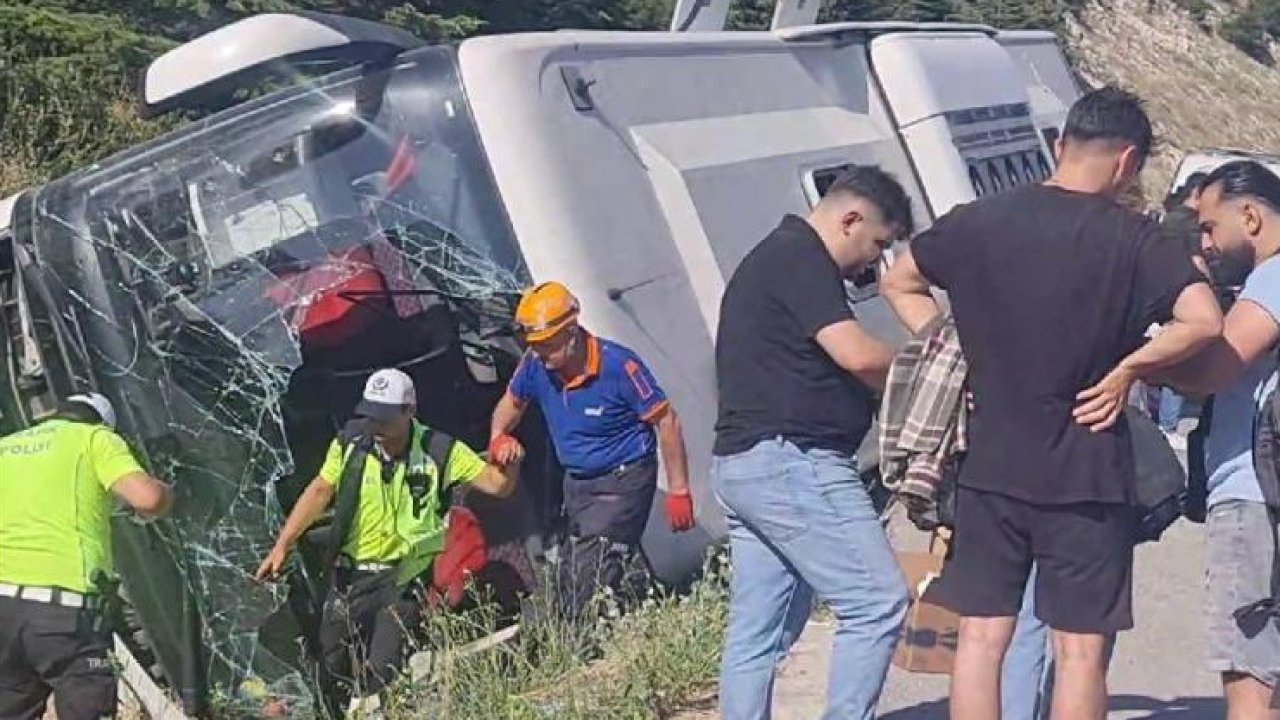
(1052, 287)
(796, 375)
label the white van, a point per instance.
(1209, 159)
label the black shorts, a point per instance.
(1083, 555)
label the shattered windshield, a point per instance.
(230, 287)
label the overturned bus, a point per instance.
(231, 285)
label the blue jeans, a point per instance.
(1026, 680)
(802, 525)
(1170, 409)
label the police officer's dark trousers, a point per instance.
(607, 516)
(366, 627)
(51, 649)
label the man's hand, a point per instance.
(680, 511)
(305, 511)
(505, 450)
(273, 564)
(1100, 406)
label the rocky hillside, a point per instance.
(1201, 91)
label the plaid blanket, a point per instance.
(923, 416)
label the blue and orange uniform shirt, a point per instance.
(600, 420)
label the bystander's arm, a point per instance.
(310, 505)
(146, 495)
(906, 290)
(1197, 321)
(857, 352)
(506, 415)
(679, 504)
(504, 449)
(1248, 333)
(674, 457)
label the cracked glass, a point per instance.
(230, 287)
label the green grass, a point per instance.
(649, 663)
(654, 662)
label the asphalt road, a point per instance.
(1157, 672)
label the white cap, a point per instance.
(386, 394)
(100, 404)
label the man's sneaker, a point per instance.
(1176, 441)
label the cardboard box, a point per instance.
(931, 633)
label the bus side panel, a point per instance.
(660, 195)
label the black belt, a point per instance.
(616, 471)
(807, 444)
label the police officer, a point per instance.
(57, 480)
(602, 406)
(397, 529)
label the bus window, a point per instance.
(822, 179)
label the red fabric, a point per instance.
(680, 511)
(322, 316)
(465, 553)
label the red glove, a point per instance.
(505, 449)
(680, 511)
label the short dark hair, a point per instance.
(1110, 114)
(1194, 182)
(78, 412)
(1246, 178)
(1182, 225)
(880, 188)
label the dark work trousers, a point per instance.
(49, 649)
(365, 630)
(607, 516)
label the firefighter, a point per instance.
(57, 480)
(388, 528)
(602, 407)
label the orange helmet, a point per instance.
(545, 310)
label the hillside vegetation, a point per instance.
(68, 67)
